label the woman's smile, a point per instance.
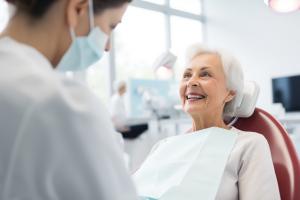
(195, 97)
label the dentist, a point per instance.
(55, 140)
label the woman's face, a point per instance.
(203, 89)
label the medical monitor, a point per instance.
(286, 90)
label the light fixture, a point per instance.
(283, 6)
(163, 65)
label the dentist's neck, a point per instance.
(45, 34)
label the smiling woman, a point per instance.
(203, 91)
(221, 66)
(214, 160)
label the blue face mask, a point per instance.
(85, 50)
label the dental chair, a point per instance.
(284, 156)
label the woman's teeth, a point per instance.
(195, 97)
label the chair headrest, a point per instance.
(250, 96)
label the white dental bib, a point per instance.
(188, 166)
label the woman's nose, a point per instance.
(193, 83)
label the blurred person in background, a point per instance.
(119, 115)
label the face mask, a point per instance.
(86, 50)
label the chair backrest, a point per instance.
(285, 159)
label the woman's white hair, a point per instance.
(233, 74)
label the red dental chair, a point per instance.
(284, 156)
(286, 162)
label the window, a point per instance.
(184, 32)
(3, 14)
(191, 6)
(139, 40)
(148, 29)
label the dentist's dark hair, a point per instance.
(37, 8)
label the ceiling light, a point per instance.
(283, 6)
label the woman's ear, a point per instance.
(74, 10)
(231, 94)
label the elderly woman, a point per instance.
(214, 160)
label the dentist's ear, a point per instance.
(230, 96)
(75, 9)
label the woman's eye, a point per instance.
(186, 75)
(205, 74)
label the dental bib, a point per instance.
(188, 166)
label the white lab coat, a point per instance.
(56, 139)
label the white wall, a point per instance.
(267, 43)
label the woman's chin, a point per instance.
(194, 109)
